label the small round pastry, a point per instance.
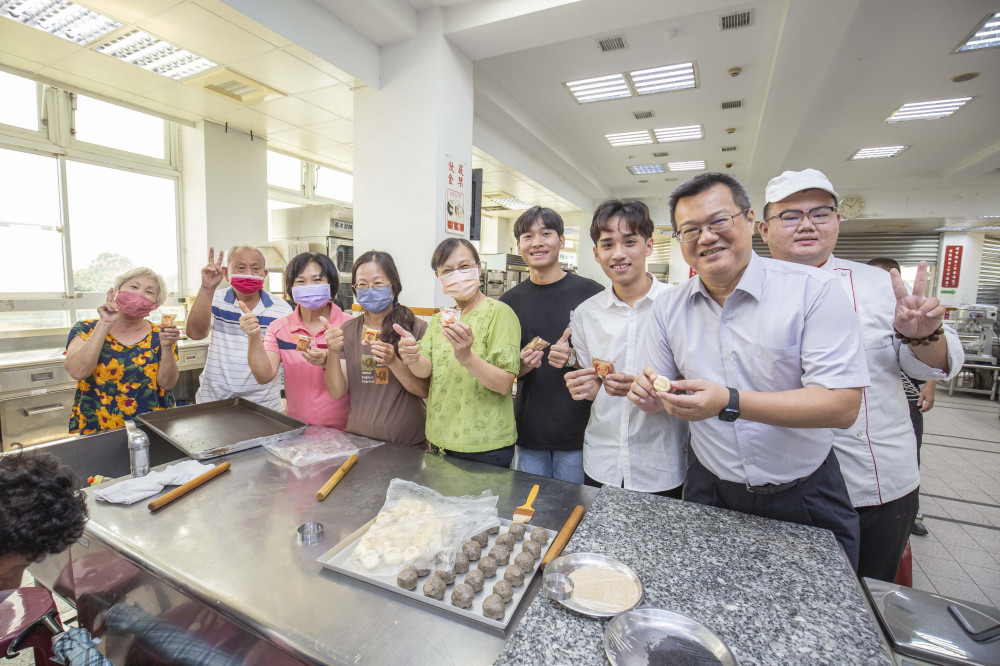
(517, 529)
(525, 561)
(482, 539)
(501, 554)
(476, 579)
(514, 575)
(461, 562)
(494, 607)
(533, 548)
(423, 572)
(488, 566)
(493, 530)
(661, 383)
(507, 540)
(447, 575)
(472, 550)
(407, 578)
(370, 559)
(503, 589)
(462, 595)
(540, 536)
(434, 588)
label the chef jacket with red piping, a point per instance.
(878, 454)
(305, 383)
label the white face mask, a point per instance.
(460, 286)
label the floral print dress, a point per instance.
(123, 384)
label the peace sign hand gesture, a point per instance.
(917, 316)
(109, 312)
(211, 274)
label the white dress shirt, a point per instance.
(784, 327)
(878, 454)
(624, 446)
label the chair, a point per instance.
(28, 620)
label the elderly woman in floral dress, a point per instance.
(118, 360)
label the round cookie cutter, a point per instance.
(310, 533)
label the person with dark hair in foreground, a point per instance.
(41, 512)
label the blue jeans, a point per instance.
(562, 465)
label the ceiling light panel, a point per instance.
(62, 19)
(686, 133)
(877, 152)
(599, 88)
(694, 165)
(156, 55)
(941, 108)
(664, 79)
(629, 138)
(981, 228)
(513, 203)
(637, 169)
(985, 36)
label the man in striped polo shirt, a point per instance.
(226, 373)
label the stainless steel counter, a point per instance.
(231, 545)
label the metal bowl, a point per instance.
(563, 566)
(637, 637)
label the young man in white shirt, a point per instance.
(226, 373)
(878, 452)
(623, 446)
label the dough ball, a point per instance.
(475, 579)
(461, 562)
(411, 553)
(423, 572)
(407, 578)
(661, 383)
(393, 556)
(462, 595)
(434, 588)
(447, 575)
(472, 550)
(482, 539)
(525, 561)
(533, 548)
(540, 536)
(494, 607)
(516, 529)
(370, 560)
(488, 566)
(514, 575)
(493, 530)
(503, 589)
(507, 540)
(500, 554)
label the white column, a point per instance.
(968, 280)
(404, 134)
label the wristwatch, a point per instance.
(571, 359)
(732, 410)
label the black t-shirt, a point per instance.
(548, 418)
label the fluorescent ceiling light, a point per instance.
(941, 108)
(513, 203)
(662, 79)
(981, 228)
(985, 36)
(599, 88)
(686, 133)
(875, 153)
(153, 54)
(694, 165)
(637, 169)
(62, 19)
(629, 138)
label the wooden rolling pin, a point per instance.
(161, 502)
(556, 549)
(335, 479)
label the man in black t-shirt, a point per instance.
(550, 424)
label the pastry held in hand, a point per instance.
(450, 316)
(302, 343)
(537, 344)
(167, 320)
(604, 368)
(369, 335)
(661, 383)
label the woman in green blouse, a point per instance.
(471, 363)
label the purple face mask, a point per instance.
(311, 296)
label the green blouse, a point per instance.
(462, 414)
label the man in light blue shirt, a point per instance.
(771, 360)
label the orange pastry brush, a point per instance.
(524, 513)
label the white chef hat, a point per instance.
(791, 182)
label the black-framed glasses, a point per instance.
(691, 232)
(793, 218)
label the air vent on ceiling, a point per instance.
(642, 115)
(661, 154)
(728, 149)
(615, 43)
(732, 104)
(737, 20)
(235, 87)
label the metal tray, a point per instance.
(638, 637)
(213, 429)
(557, 576)
(336, 558)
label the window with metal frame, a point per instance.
(989, 273)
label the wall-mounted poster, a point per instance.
(952, 266)
(455, 219)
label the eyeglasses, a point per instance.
(360, 286)
(464, 269)
(793, 218)
(691, 232)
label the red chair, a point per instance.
(28, 619)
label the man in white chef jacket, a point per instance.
(878, 454)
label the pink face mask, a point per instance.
(134, 305)
(247, 284)
(460, 286)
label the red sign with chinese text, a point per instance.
(952, 266)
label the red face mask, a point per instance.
(247, 284)
(134, 305)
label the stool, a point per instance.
(28, 619)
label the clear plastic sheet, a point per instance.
(316, 444)
(422, 528)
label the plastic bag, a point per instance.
(422, 528)
(316, 444)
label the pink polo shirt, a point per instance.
(305, 385)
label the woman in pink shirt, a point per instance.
(312, 280)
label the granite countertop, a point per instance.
(775, 592)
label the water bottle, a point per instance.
(138, 451)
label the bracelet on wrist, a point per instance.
(914, 342)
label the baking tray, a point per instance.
(213, 429)
(336, 558)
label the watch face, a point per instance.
(851, 206)
(729, 415)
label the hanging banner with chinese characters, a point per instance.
(455, 220)
(952, 266)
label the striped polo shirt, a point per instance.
(227, 373)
